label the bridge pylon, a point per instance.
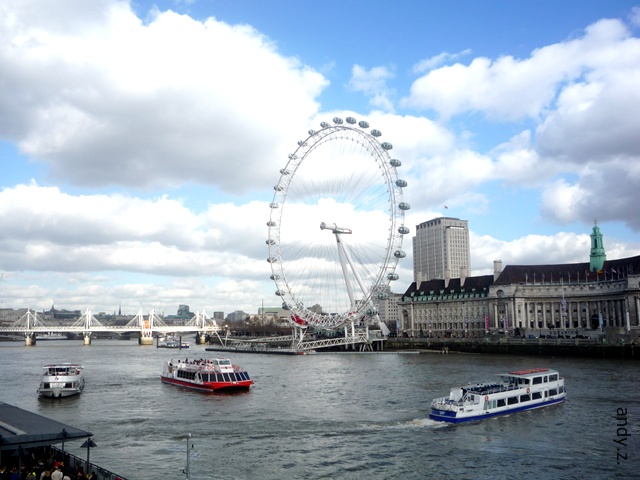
(85, 323)
(204, 325)
(146, 326)
(29, 321)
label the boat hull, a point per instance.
(209, 386)
(453, 417)
(59, 392)
(272, 351)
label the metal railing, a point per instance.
(73, 462)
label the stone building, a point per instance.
(600, 295)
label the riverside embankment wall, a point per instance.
(514, 346)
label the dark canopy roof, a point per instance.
(20, 428)
(471, 285)
(569, 272)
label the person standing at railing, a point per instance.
(57, 473)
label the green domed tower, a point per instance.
(597, 257)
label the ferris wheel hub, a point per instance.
(334, 228)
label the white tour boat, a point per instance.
(514, 392)
(216, 374)
(174, 343)
(61, 380)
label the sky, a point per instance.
(140, 141)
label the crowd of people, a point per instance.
(47, 468)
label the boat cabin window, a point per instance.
(187, 375)
(224, 362)
(501, 402)
(536, 395)
(537, 380)
(512, 400)
(553, 378)
(552, 392)
(545, 379)
(525, 398)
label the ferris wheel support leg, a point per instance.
(345, 259)
(343, 263)
(356, 274)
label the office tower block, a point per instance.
(441, 249)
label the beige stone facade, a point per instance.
(528, 300)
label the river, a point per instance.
(338, 416)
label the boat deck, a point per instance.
(482, 389)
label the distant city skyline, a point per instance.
(140, 144)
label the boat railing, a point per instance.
(489, 389)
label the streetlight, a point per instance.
(64, 435)
(187, 471)
(89, 444)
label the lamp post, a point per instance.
(503, 313)
(187, 470)
(64, 435)
(485, 310)
(19, 452)
(89, 444)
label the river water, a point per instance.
(337, 416)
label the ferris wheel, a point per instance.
(336, 226)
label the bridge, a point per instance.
(31, 324)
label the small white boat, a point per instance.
(173, 343)
(61, 380)
(514, 392)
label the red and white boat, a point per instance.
(209, 375)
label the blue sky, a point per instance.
(140, 141)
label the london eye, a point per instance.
(336, 226)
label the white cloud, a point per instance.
(598, 193)
(560, 248)
(634, 16)
(108, 100)
(437, 60)
(101, 97)
(373, 83)
(518, 163)
(48, 230)
(595, 121)
(509, 88)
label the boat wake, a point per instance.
(407, 424)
